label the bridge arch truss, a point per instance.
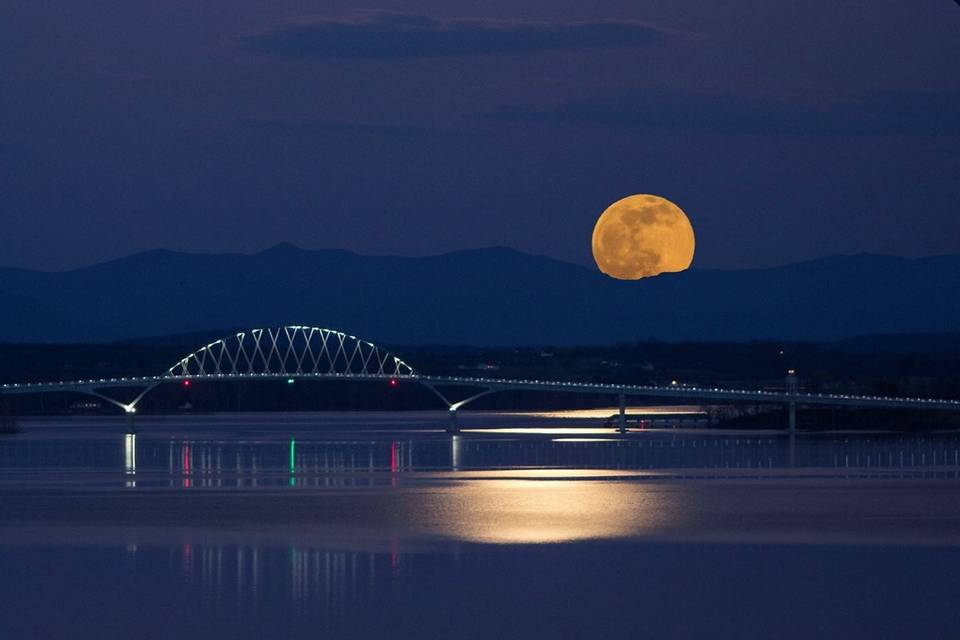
(291, 350)
(282, 352)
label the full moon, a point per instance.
(642, 236)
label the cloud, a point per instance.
(889, 113)
(347, 127)
(387, 36)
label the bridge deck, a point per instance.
(673, 392)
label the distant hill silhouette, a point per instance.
(483, 297)
(928, 343)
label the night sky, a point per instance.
(786, 129)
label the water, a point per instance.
(373, 525)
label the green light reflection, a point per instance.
(293, 449)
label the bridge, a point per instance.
(305, 352)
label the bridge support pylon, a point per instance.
(452, 426)
(622, 417)
(792, 386)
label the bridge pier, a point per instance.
(792, 386)
(131, 421)
(452, 426)
(622, 417)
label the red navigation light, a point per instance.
(393, 382)
(186, 384)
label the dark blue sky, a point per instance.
(786, 129)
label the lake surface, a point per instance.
(372, 525)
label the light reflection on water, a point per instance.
(295, 533)
(525, 511)
(691, 413)
(307, 577)
(469, 488)
(304, 460)
(541, 431)
(573, 591)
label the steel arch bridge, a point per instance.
(307, 352)
(293, 351)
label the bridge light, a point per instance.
(393, 382)
(186, 384)
(290, 380)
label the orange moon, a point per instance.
(641, 236)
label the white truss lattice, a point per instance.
(291, 351)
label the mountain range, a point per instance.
(492, 296)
